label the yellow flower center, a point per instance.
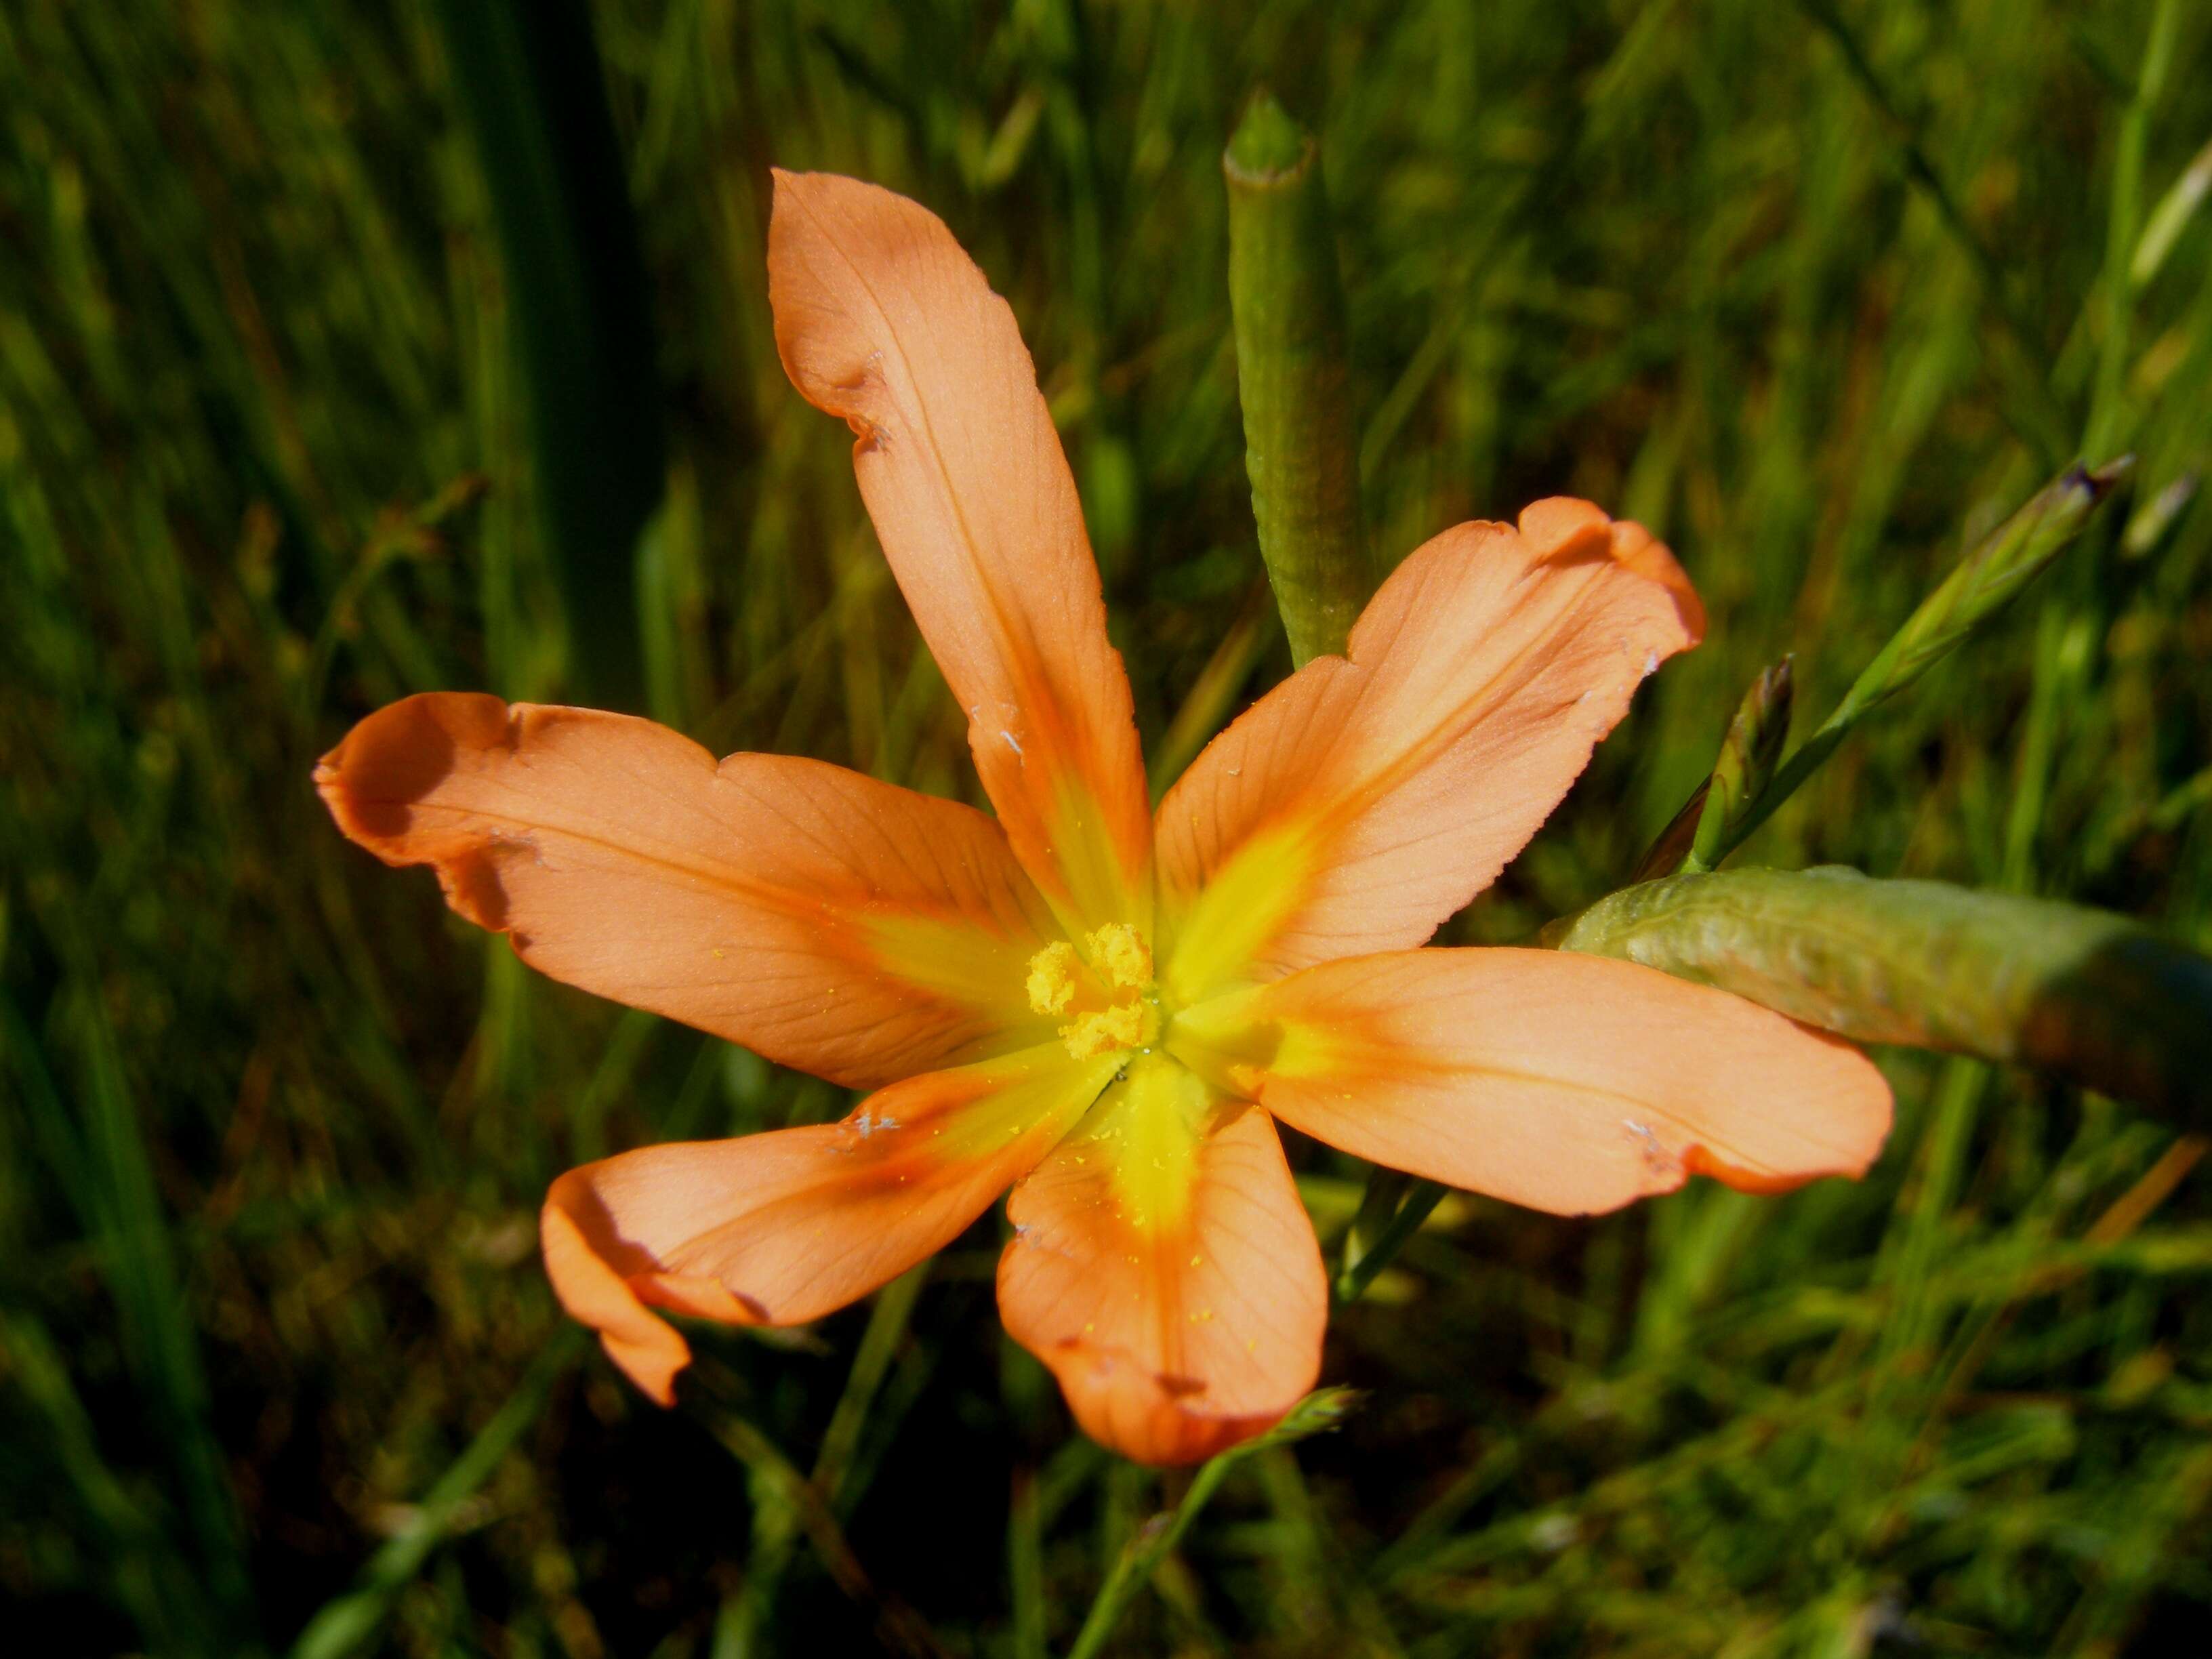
(1107, 989)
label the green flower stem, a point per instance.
(2095, 999)
(1392, 1212)
(1301, 447)
(1293, 379)
(1157, 1538)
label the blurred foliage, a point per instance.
(1809, 289)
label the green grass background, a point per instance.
(276, 1355)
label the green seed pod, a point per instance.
(1294, 380)
(2096, 998)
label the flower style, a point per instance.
(1104, 1010)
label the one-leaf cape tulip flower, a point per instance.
(1104, 1010)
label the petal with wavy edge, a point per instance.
(781, 1228)
(1368, 796)
(830, 922)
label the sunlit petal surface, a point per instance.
(1164, 1267)
(781, 1228)
(883, 318)
(1566, 1083)
(832, 922)
(1368, 797)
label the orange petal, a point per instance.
(781, 1228)
(883, 319)
(1367, 798)
(1162, 1266)
(827, 920)
(1573, 1084)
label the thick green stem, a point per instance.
(1293, 378)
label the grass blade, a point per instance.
(1157, 1539)
(527, 77)
(103, 1163)
(347, 1624)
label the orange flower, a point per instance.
(1105, 1012)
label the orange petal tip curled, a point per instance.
(825, 919)
(648, 1350)
(784, 1227)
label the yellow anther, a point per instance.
(1125, 1025)
(1052, 978)
(1119, 963)
(1122, 956)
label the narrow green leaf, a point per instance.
(2093, 998)
(1983, 584)
(888, 1321)
(2183, 198)
(1294, 380)
(2150, 523)
(527, 77)
(97, 1147)
(2016, 365)
(1206, 705)
(153, 1580)
(786, 1503)
(347, 1624)
(2123, 225)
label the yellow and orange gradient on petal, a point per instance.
(1103, 1011)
